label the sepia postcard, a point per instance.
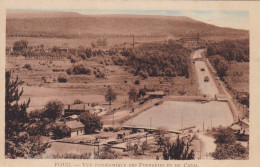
(130, 83)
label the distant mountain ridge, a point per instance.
(43, 23)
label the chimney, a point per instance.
(69, 107)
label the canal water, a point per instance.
(175, 115)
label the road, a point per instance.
(208, 146)
(209, 88)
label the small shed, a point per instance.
(76, 109)
(221, 97)
(76, 128)
(156, 94)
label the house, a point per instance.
(76, 109)
(99, 109)
(76, 128)
(156, 94)
(221, 97)
(241, 129)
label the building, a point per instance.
(156, 94)
(76, 128)
(76, 109)
(241, 129)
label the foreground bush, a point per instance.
(71, 156)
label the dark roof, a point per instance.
(160, 93)
(80, 107)
(75, 124)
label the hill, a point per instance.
(75, 25)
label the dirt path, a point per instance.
(208, 146)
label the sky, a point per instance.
(221, 18)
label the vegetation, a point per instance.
(99, 74)
(161, 138)
(227, 148)
(19, 143)
(71, 156)
(28, 66)
(20, 45)
(62, 78)
(132, 94)
(178, 151)
(61, 130)
(78, 101)
(170, 59)
(230, 50)
(107, 153)
(79, 69)
(221, 66)
(110, 95)
(53, 110)
(91, 121)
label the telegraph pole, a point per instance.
(133, 41)
(211, 119)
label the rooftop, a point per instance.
(74, 124)
(161, 93)
(79, 107)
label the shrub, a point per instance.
(99, 74)
(137, 82)
(20, 45)
(53, 109)
(62, 78)
(61, 131)
(74, 59)
(77, 101)
(71, 156)
(27, 66)
(79, 69)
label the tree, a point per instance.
(178, 151)
(110, 95)
(132, 94)
(107, 153)
(18, 143)
(224, 135)
(53, 110)
(227, 148)
(20, 45)
(61, 130)
(91, 121)
(161, 137)
(230, 151)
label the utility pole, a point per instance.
(211, 119)
(113, 118)
(181, 121)
(133, 41)
(150, 123)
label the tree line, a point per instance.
(155, 59)
(237, 50)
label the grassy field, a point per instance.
(238, 76)
(76, 42)
(88, 88)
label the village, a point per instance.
(131, 96)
